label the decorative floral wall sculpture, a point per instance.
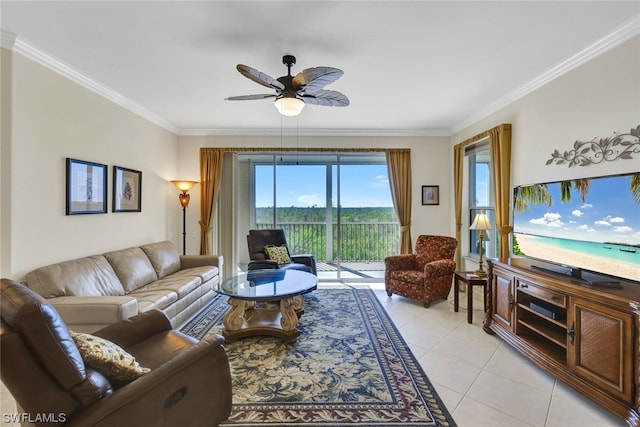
(584, 153)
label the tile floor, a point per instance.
(482, 381)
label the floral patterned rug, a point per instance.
(349, 366)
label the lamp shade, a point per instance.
(481, 222)
(289, 105)
(184, 186)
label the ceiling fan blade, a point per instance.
(250, 97)
(314, 79)
(259, 77)
(327, 98)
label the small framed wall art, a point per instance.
(430, 194)
(86, 187)
(127, 190)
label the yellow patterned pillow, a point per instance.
(279, 254)
(107, 358)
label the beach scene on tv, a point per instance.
(592, 224)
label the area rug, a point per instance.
(349, 366)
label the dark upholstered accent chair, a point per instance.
(258, 239)
(189, 383)
(425, 275)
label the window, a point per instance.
(481, 195)
(335, 206)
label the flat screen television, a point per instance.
(585, 228)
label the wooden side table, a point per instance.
(471, 279)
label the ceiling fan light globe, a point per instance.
(289, 106)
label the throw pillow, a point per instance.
(279, 254)
(107, 358)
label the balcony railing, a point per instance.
(360, 242)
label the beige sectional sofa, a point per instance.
(95, 291)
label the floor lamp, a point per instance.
(184, 197)
(481, 223)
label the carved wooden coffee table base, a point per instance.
(246, 292)
(244, 319)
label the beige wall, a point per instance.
(52, 118)
(5, 153)
(594, 100)
(428, 168)
(46, 118)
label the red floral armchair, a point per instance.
(425, 275)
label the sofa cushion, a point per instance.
(178, 283)
(149, 298)
(204, 273)
(163, 256)
(133, 268)
(90, 276)
(107, 358)
(409, 276)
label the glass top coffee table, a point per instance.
(246, 319)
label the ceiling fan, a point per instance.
(293, 92)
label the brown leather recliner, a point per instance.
(189, 383)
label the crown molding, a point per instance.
(315, 132)
(620, 35)
(7, 39)
(31, 52)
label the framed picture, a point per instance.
(86, 187)
(430, 194)
(127, 190)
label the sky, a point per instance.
(609, 214)
(305, 186)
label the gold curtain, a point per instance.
(500, 140)
(458, 161)
(399, 165)
(210, 177)
(500, 148)
(398, 161)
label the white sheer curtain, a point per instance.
(227, 228)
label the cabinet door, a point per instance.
(600, 347)
(503, 299)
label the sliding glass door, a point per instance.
(364, 225)
(337, 207)
(292, 196)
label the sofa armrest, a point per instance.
(441, 267)
(135, 329)
(306, 259)
(303, 259)
(263, 264)
(191, 261)
(303, 256)
(400, 262)
(198, 379)
(86, 314)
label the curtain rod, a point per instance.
(307, 150)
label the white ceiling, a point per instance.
(410, 68)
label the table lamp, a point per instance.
(481, 223)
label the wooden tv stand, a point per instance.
(588, 337)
